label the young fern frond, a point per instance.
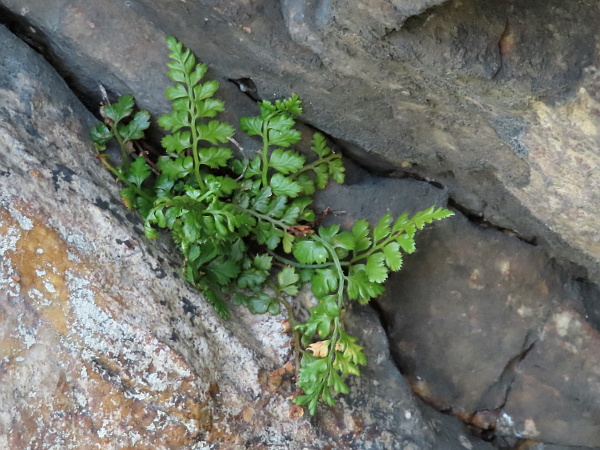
(232, 225)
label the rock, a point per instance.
(396, 412)
(310, 23)
(103, 344)
(554, 397)
(496, 101)
(485, 327)
(370, 197)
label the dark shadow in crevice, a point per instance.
(479, 220)
(590, 295)
(37, 40)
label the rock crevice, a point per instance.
(496, 104)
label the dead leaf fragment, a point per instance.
(320, 349)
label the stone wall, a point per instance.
(490, 107)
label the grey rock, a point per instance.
(397, 412)
(104, 345)
(485, 327)
(371, 197)
(496, 101)
(556, 390)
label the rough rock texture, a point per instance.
(500, 338)
(556, 390)
(103, 345)
(496, 100)
(370, 197)
(383, 385)
(483, 325)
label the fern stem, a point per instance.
(265, 161)
(314, 164)
(192, 110)
(124, 180)
(196, 158)
(298, 265)
(338, 265)
(264, 217)
(340, 299)
(124, 155)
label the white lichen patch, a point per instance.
(36, 295)
(26, 333)
(150, 364)
(76, 240)
(269, 331)
(73, 257)
(562, 321)
(81, 399)
(8, 275)
(49, 287)
(24, 222)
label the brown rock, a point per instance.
(483, 326)
(465, 305)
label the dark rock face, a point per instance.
(496, 101)
(504, 41)
(555, 393)
(372, 197)
(483, 326)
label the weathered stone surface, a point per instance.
(394, 411)
(497, 101)
(309, 23)
(492, 295)
(556, 390)
(369, 197)
(103, 345)
(484, 326)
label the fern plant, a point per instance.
(245, 226)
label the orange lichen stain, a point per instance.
(35, 174)
(248, 414)
(40, 259)
(223, 431)
(52, 419)
(105, 400)
(10, 347)
(117, 417)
